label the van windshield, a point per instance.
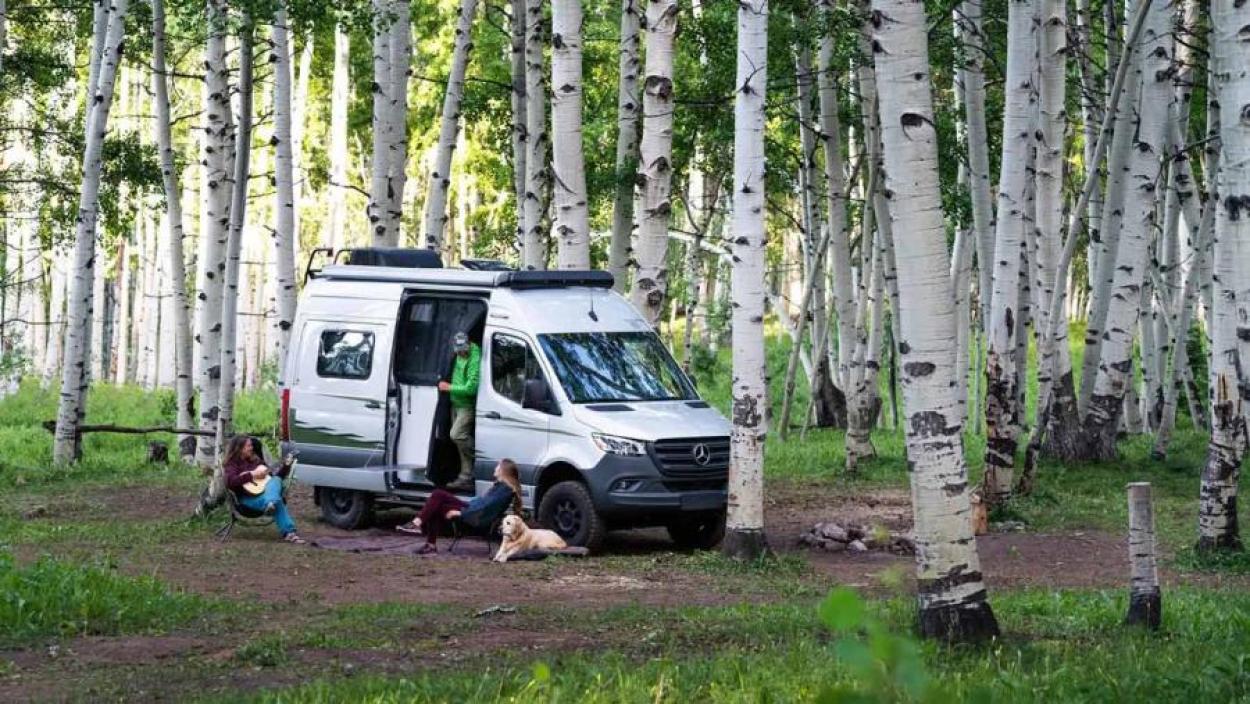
(597, 367)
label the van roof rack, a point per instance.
(402, 257)
(473, 279)
(485, 265)
(555, 279)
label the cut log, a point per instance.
(1145, 600)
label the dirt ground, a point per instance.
(303, 583)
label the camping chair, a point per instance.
(493, 526)
(248, 517)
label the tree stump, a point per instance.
(158, 453)
(1145, 600)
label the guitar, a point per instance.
(256, 487)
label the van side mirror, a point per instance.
(537, 396)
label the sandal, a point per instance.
(427, 549)
(294, 538)
(409, 528)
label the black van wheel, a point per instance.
(345, 508)
(702, 532)
(568, 509)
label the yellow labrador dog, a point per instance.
(518, 537)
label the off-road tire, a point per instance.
(699, 532)
(346, 508)
(568, 509)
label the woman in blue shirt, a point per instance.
(442, 506)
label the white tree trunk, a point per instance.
(385, 232)
(745, 521)
(835, 203)
(218, 147)
(72, 404)
(1014, 220)
(299, 125)
(628, 105)
(973, 79)
(1153, 66)
(863, 398)
(4, 30)
(238, 219)
(284, 234)
(516, 21)
(655, 170)
(953, 602)
(177, 274)
(1182, 319)
(1112, 222)
(97, 314)
(150, 302)
(1217, 513)
(340, 97)
(572, 212)
(54, 351)
(401, 61)
(533, 244)
(440, 174)
(1055, 383)
(122, 329)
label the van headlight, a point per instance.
(615, 445)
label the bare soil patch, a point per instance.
(639, 568)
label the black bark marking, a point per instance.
(919, 368)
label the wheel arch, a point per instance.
(552, 474)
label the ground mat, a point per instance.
(391, 543)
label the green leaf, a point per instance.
(842, 610)
(856, 657)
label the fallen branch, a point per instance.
(50, 426)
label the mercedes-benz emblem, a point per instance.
(701, 454)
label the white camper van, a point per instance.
(576, 388)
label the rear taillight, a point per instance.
(284, 416)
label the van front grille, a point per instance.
(701, 458)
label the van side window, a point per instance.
(345, 354)
(511, 365)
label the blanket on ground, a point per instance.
(389, 543)
(543, 554)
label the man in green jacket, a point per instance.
(466, 372)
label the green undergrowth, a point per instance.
(55, 598)
(26, 447)
(1059, 646)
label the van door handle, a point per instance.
(493, 415)
(373, 404)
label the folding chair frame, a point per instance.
(459, 529)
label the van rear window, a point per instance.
(345, 354)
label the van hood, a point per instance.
(654, 420)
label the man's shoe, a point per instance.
(464, 484)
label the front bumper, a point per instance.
(633, 491)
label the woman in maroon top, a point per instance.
(245, 463)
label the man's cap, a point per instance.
(460, 342)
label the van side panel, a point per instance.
(338, 374)
(337, 412)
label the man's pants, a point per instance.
(462, 428)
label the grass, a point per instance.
(54, 598)
(1064, 646)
